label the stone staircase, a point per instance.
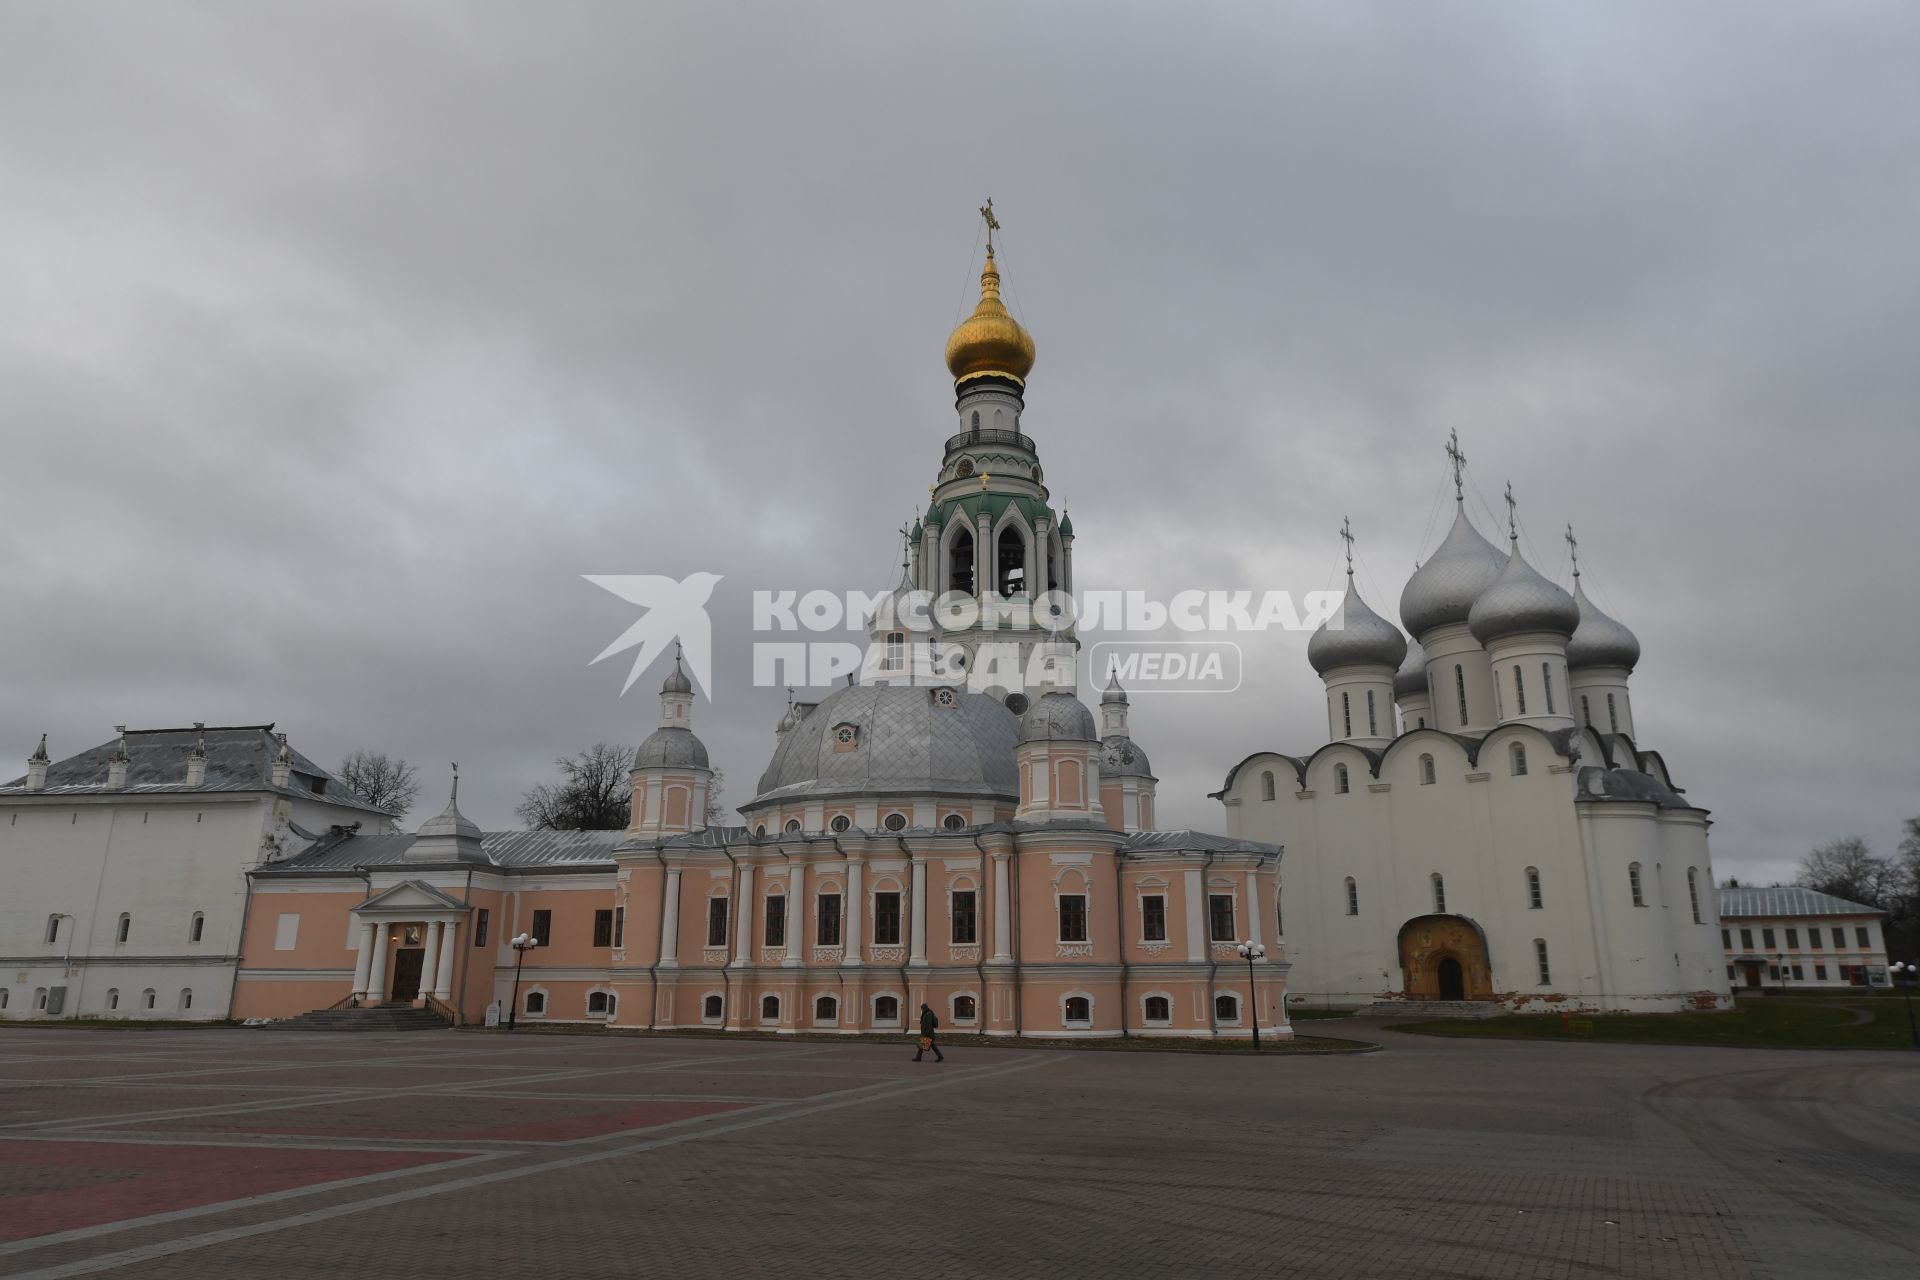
(1433, 1009)
(381, 1017)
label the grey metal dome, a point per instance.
(671, 747)
(1599, 641)
(1058, 715)
(1520, 600)
(1113, 694)
(1355, 636)
(450, 822)
(905, 738)
(677, 680)
(1411, 679)
(1444, 588)
(1121, 757)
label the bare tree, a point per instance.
(1847, 868)
(595, 792)
(715, 810)
(383, 781)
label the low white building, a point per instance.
(1787, 937)
(124, 866)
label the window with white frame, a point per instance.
(186, 999)
(954, 822)
(53, 928)
(1613, 714)
(1353, 897)
(1373, 725)
(1073, 917)
(826, 1009)
(965, 1009)
(1460, 690)
(1426, 771)
(1226, 1008)
(1534, 902)
(197, 927)
(713, 1007)
(1153, 917)
(147, 998)
(1220, 918)
(716, 922)
(1346, 715)
(1266, 790)
(1693, 895)
(113, 998)
(826, 931)
(886, 1010)
(1633, 882)
(1540, 956)
(769, 1008)
(1519, 692)
(1517, 760)
(536, 1003)
(1546, 683)
(776, 924)
(1078, 1011)
(1439, 893)
(125, 929)
(1158, 1009)
(1340, 784)
(597, 1004)
(965, 917)
(840, 822)
(886, 918)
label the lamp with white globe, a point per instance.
(522, 943)
(1251, 951)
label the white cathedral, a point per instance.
(1510, 842)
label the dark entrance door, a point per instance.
(406, 972)
(1453, 983)
(1753, 975)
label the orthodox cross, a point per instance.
(456, 783)
(1459, 461)
(1513, 505)
(1346, 536)
(993, 223)
(1573, 549)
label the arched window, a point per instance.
(536, 1002)
(954, 821)
(146, 998)
(1346, 715)
(186, 999)
(759, 829)
(1499, 703)
(597, 1004)
(1546, 682)
(1423, 722)
(895, 822)
(960, 562)
(125, 929)
(1353, 897)
(1373, 725)
(964, 1009)
(40, 999)
(198, 928)
(1633, 882)
(1517, 755)
(1460, 689)
(53, 921)
(1613, 716)
(896, 650)
(1439, 893)
(826, 1009)
(769, 1008)
(976, 419)
(1693, 892)
(1010, 553)
(5, 994)
(1426, 771)
(840, 822)
(1340, 779)
(886, 1009)
(1266, 792)
(1534, 902)
(1540, 956)
(792, 826)
(1519, 692)
(1226, 1008)
(1159, 1009)
(113, 997)
(1586, 711)
(713, 1007)
(1079, 1009)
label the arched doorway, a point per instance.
(1444, 957)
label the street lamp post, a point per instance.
(1252, 951)
(522, 944)
(1912, 972)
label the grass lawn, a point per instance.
(1859, 1022)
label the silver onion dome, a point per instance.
(1520, 600)
(677, 680)
(1599, 641)
(1444, 588)
(1355, 636)
(671, 747)
(1121, 757)
(1058, 715)
(1411, 679)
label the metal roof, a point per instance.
(512, 850)
(1788, 900)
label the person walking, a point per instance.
(927, 1024)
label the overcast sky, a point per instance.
(338, 341)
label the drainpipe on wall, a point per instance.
(846, 904)
(980, 965)
(659, 946)
(1019, 982)
(240, 947)
(733, 924)
(1120, 942)
(907, 933)
(1206, 933)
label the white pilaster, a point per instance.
(377, 977)
(364, 965)
(670, 921)
(1196, 916)
(1253, 909)
(430, 961)
(1002, 911)
(853, 911)
(443, 987)
(917, 953)
(743, 926)
(796, 915)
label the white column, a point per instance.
(364, 965)
(1253, 909)
(796, 915)
(1002, 910)
(918, 943)
(854, 909)
(1035, 575)
(377, 977)
(430, 962)
(983, 558)
(1196, 916)
(443, 988)
(670, 921)
(743, 906)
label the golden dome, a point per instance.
(990, 341)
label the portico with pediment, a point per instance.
(407, 937)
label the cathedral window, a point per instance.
(1340, 779)
(1546, 682)
(1153, 918)
(1518, 759)
(954, 821)
(599, 1004)
(826, 1009)
(895, 822)
(53, 925)
(1346, 715)
(976, 419)
(965, 1009)
(896, 650)
(1534, 902)
(826, 931)
(769, 1008)
(1439, 893)
(603, 927)
(960, 562)
(792, 827)
(1011, 562)
(1519, 692)
(1266, 793)
(1613, 715)
(886, 1009)
(886, 919)
(197, 927)
(1426, 771)
(146, 998)
(1078, 1011)
(1633, 882)
(716, 922)
(1220, 917)
(481, 920)
(776, 926)
(1073, 917)
(840, 822)
(1693, 896)
(543, 927)
(1158, 1009)
(619, 926)
(1540, 956)
(113, 997)
(711, 1007)
(1460, 689)
(1586, 711)
(1373, 725)
(126, 928)
(1226, 1009)
(1353, 897)
(965, 926)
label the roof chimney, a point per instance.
(197, 758)
(37, 766)
(117, 762)
(282, 762)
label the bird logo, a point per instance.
(675, 610)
